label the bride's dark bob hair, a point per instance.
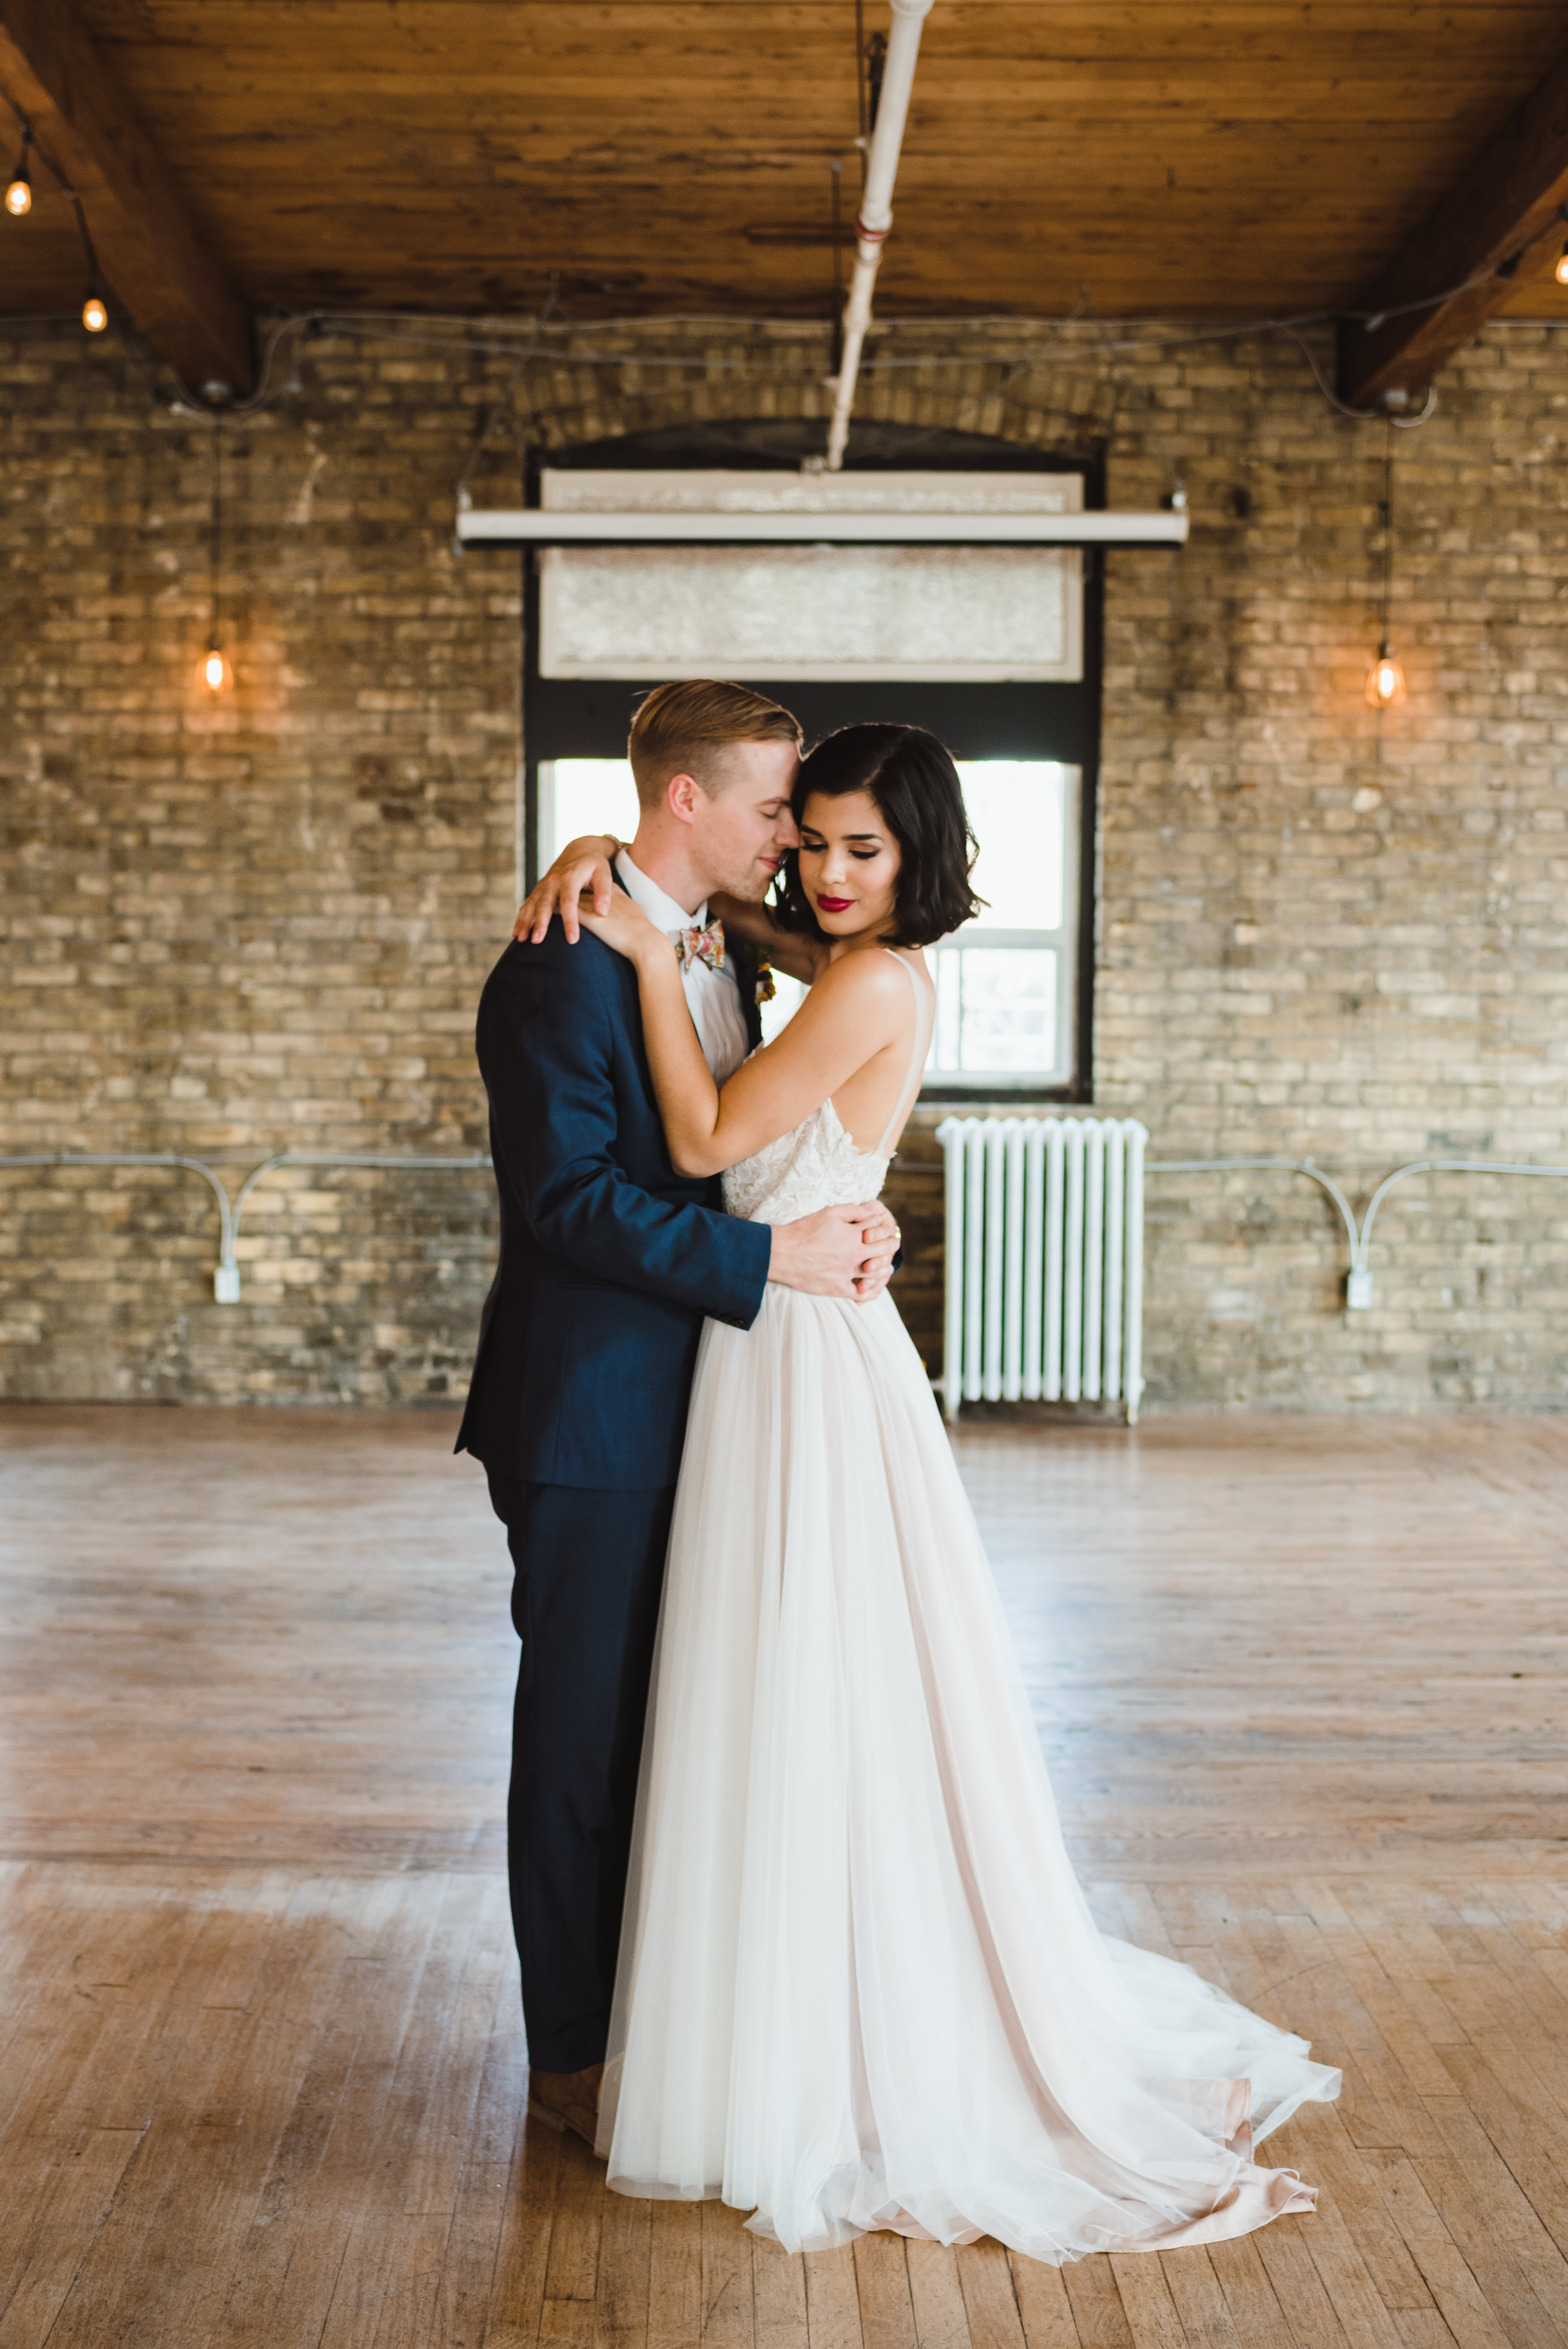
(911, 777)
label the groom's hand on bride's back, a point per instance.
(837, 1252)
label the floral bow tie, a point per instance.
(701, 945)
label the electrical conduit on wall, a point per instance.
(226, 1273)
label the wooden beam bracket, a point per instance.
(1456, 272)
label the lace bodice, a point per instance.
(816, 1164)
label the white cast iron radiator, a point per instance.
(1045, 1260)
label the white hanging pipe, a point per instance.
(875, 217)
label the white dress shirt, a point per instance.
(713, 996)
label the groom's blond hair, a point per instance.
(683, 729)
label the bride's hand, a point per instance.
(624, 927)
(583, 868)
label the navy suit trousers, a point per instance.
(589, 1567)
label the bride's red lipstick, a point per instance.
(834, 905)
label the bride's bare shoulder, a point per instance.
(865, 981)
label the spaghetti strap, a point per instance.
(918, 1052)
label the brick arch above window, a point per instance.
(910, 411)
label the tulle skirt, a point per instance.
(859, 1983)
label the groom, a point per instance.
(609, 1262)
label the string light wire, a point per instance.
(1360, 415)
(455, 332)
(94, 302)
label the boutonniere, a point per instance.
(765, 990)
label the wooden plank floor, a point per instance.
(1303, 1687)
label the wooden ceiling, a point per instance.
(1161, 157)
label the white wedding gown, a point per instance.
(859, 1983)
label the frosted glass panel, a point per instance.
(880, 614)
(883, 612)
(719, 489)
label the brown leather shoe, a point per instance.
(567, 2100)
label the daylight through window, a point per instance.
(1006, 998)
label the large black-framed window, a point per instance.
(576, 718)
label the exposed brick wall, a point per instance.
(237, 929)
(1331, 935)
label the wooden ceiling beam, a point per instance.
(153, 258)
(1500, 216)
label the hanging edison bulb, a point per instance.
(1385, 680)
(95, 317)
(1561, 272)
(19, 194)
(216, 674)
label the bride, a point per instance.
(858, 1985)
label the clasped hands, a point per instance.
(837, 1252)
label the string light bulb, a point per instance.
(216, 674)
(19, 194)
(1385, 680)
(95, 317)
(1560, 272)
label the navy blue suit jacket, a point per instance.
(609, 1260)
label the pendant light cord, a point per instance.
(1387, 531)
(214, 541)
